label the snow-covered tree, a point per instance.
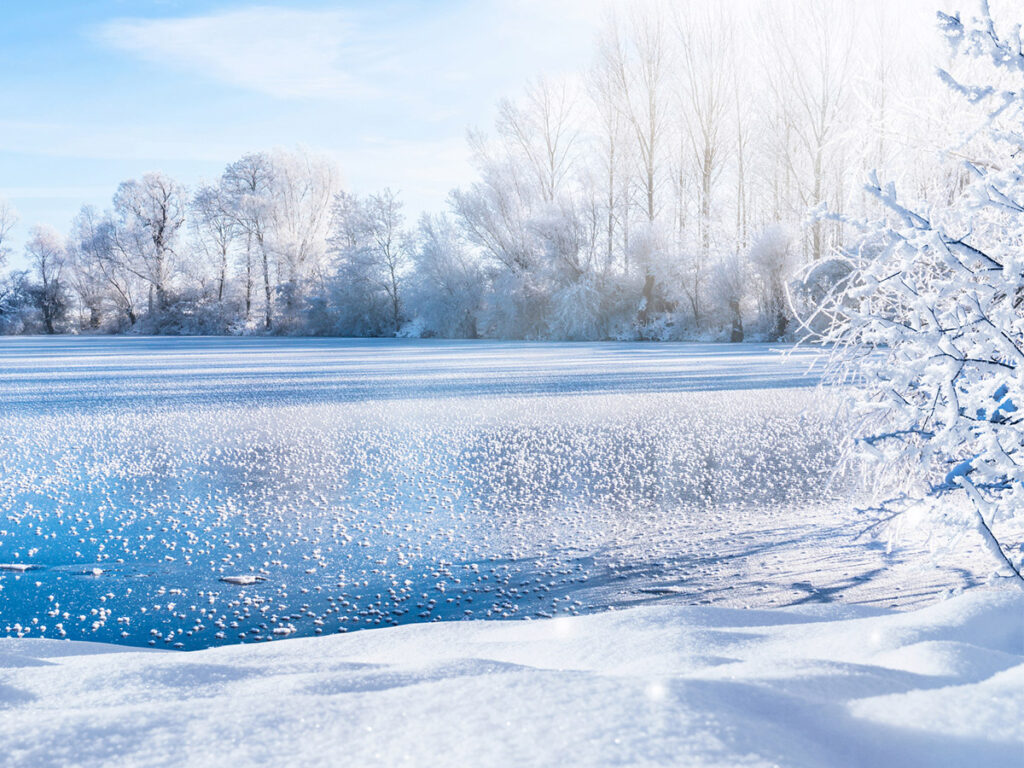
(639, 58)
(215, 230)
(810, 76)
(249, 183)
(448, 283)
(150, 212)
(541, 134)
(8, 218)
(389, 248)
(707, 51)
(730, 285)
(88, 247)
(930, 326)
(17, 303)
(372, 252)
(10, 287)
(46, 252)
(302, 191)
(772, 262)
(99, 275)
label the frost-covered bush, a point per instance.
(18, 313)
(516, 307)
(370, 251)
(577, 311)
(355, 305)
(728, 288)
(447, 284)
(772, 260)
(189, 314)
(814, 288)
(931, 327)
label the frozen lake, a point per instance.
(190, 492)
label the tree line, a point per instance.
(662, 193)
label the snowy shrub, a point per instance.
(516, 307)
(358, 306)
(319, 316)
(810, 290)
(577, 312)
(931, 328)
(371, 253)
(18, 313)
(448, 284)
(772, 260)
(728, 288)
(188, 314)
(414, 329)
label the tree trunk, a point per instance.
(223, 275)
(267, 321)
(737, 322)
(643, 317)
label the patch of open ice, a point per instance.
(243, 580)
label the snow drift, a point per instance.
(669, 685)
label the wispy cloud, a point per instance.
(277, 51)
(409, 54)
(386, 86)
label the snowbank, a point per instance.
(668, 685)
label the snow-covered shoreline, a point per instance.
(824, 685)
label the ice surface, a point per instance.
(193, 492)
(653, 685)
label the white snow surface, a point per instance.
(654, 685)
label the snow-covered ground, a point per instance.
(662, 685)
(188, 493)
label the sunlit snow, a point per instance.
(661, 685)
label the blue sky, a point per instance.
(94, 93)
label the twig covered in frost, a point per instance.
(937, 297)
